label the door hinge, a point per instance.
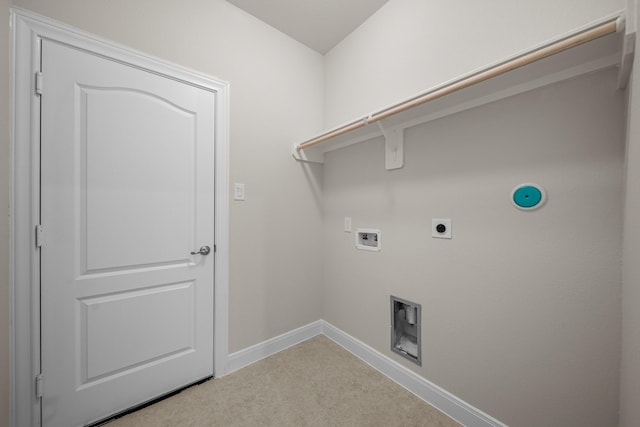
(39, 386)
(39, 83)
(215, 248)
(38, 236)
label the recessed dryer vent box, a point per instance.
(406, 318)
(368, 239)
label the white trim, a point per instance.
(221, 233)
(267, 348)
(439, 398)
(27, 30)
(24, 208)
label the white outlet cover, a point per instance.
(347, 224)
(446, 233)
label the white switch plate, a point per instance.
(347, 224)
(238, 191)
(438, 232)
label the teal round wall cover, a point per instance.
(528, 196)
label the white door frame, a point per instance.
(27, 31)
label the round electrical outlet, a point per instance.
(441, 228)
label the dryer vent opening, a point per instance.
(405, 329)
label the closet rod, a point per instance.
(525, 59)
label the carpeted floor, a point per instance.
(316, 383)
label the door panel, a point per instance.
(166, 327)
(117, 147)
(127, 193)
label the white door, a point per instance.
(127, 164)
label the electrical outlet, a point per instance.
(441, 228)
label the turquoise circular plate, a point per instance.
(528, 196)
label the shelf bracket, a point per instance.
(309, 155)
(393, 147)
(624, 71)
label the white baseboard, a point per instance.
(446, 402)
(441, 399)
(252, 354)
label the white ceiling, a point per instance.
(319, 24)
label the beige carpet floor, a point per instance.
(315, 383)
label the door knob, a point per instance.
(203, 251)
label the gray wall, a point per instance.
(520, 310)
(630, 370)
(513, 328)
(409, 46)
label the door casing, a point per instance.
(27, 31)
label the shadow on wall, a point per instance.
(313, 173)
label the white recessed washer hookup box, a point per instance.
(368, 239)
